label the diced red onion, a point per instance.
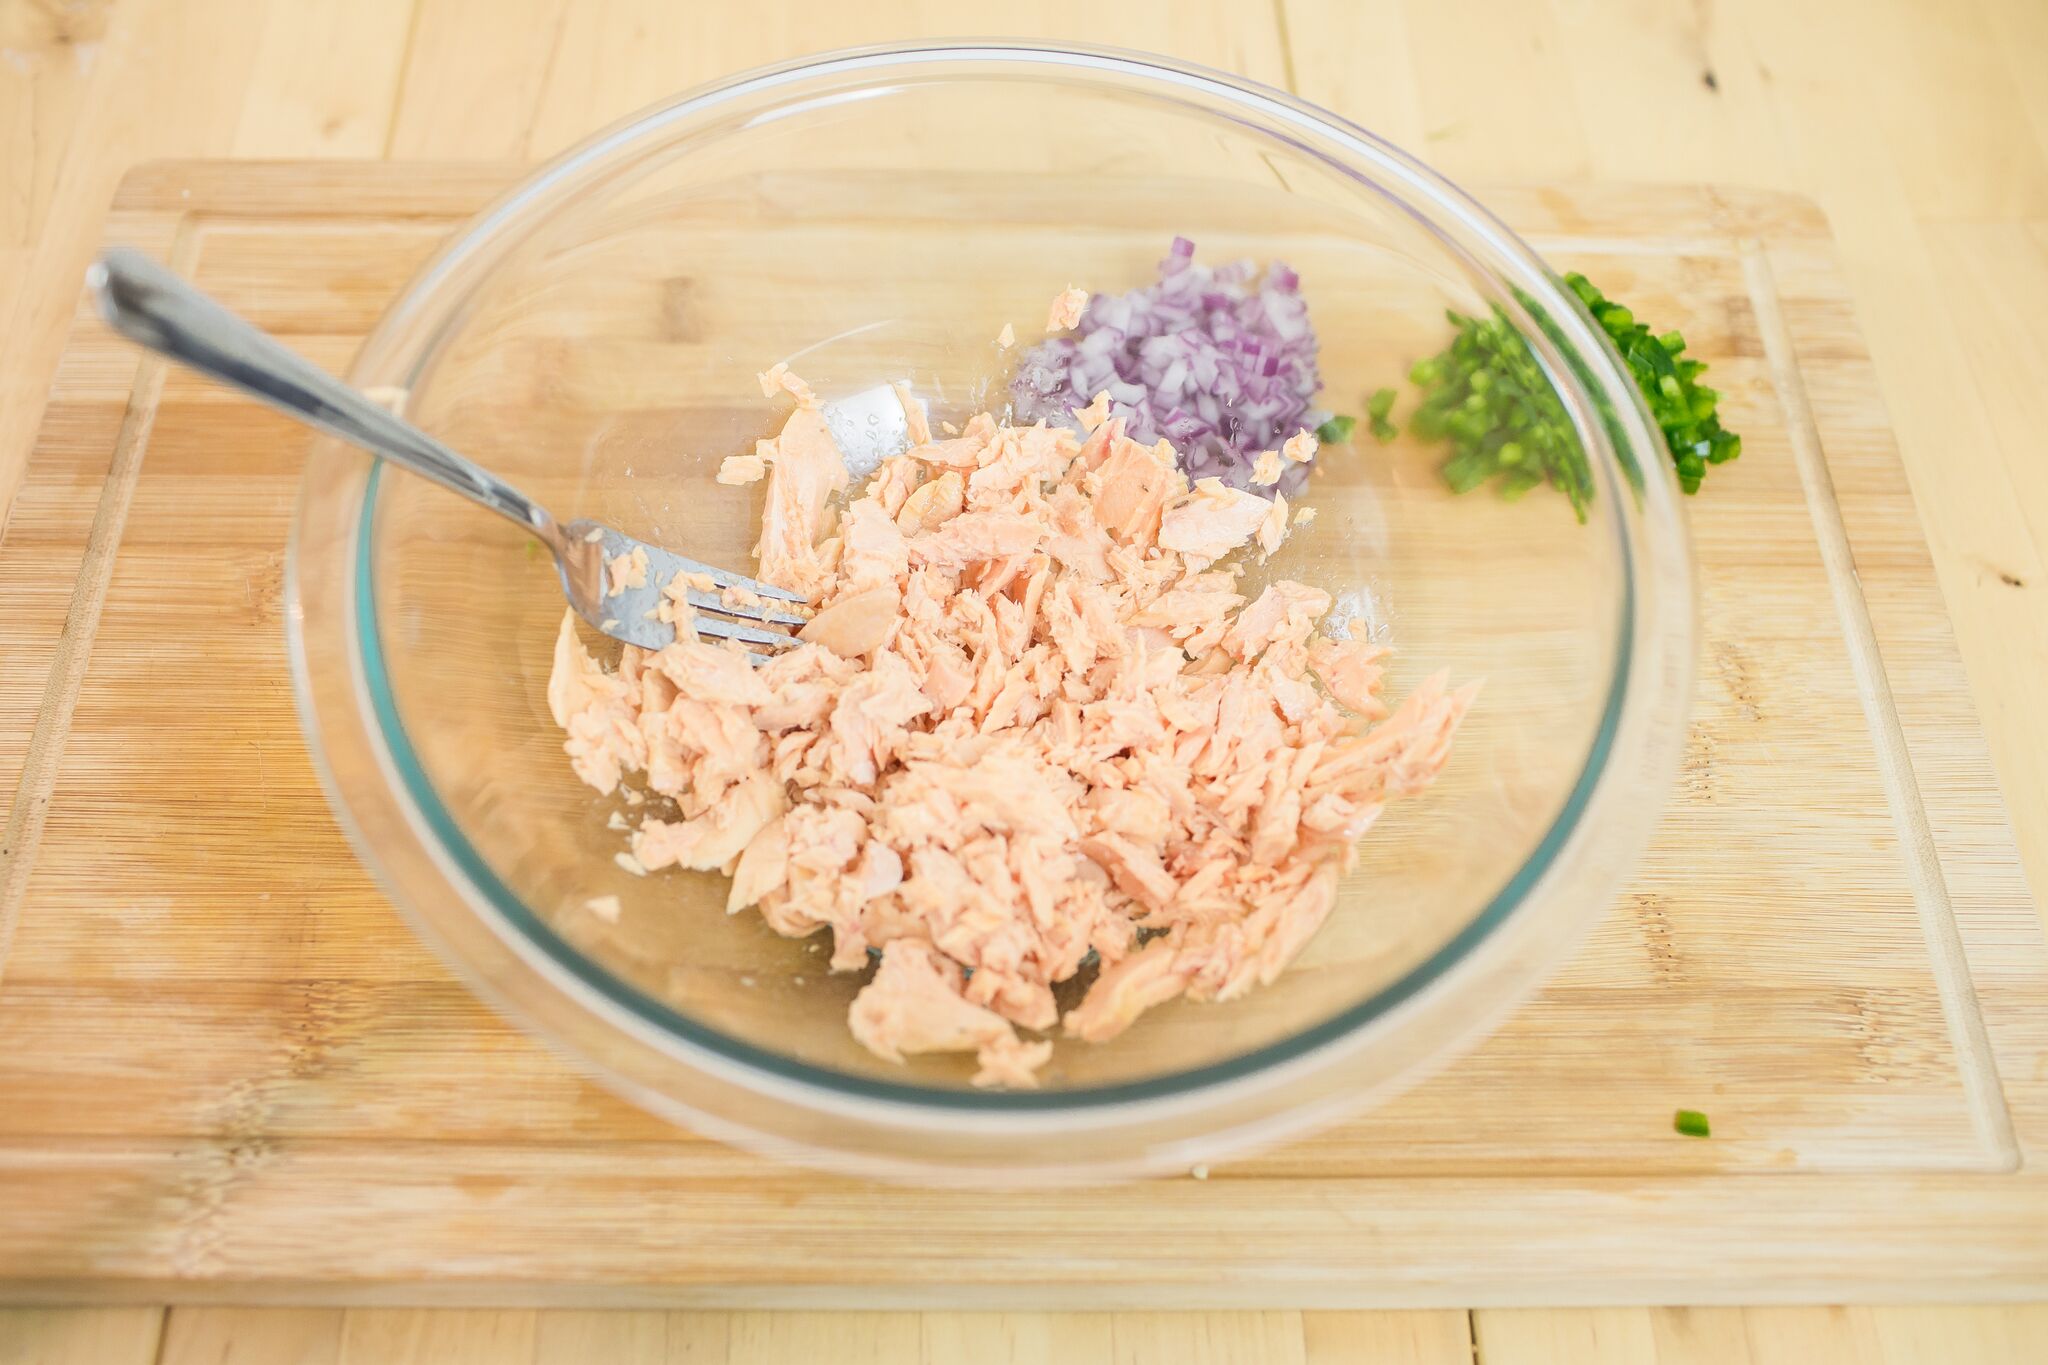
(1220, 362)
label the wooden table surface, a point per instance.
(1920, 125)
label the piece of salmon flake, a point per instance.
(1095, 414)
(605, 908)
(674, 608)
(915, 424)
(593, 535)
(1066, 310)
(1304, 515)
(735, 470)
(625, 571)
(778, 379)
(1300, 447)
(1007, 337)
(629, 863)
(1273, 530)
(1266, 468)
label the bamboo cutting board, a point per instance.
(228, 1071)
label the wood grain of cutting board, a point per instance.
(227, 1070)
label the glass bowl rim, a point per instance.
(532, 200)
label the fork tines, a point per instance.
(726, 628)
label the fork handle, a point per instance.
(154, 308)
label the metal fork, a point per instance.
(154, 308)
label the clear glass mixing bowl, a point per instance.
(877, 215)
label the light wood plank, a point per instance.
(1564, 1336)
(1393, 1337)
(1999, 1335)
(2020, 31)
(50, 52)
(806, 1338)
(618, 55)
(1888, 1335)
(1208, 1338)
(1814, 1336)
(473, 77)
(1993, 278)
(437, 1336)
(1491, 80)
(253, 1336)
(699, 1338)
(79, 1336)
(1947, 120)
(14, 268)
(569, 1337)
(1018, 1338)
(1995, 275)
(1676, 93)
(1356, 60)
(1700, 1336)
(325, 79)
(1927, 1335)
